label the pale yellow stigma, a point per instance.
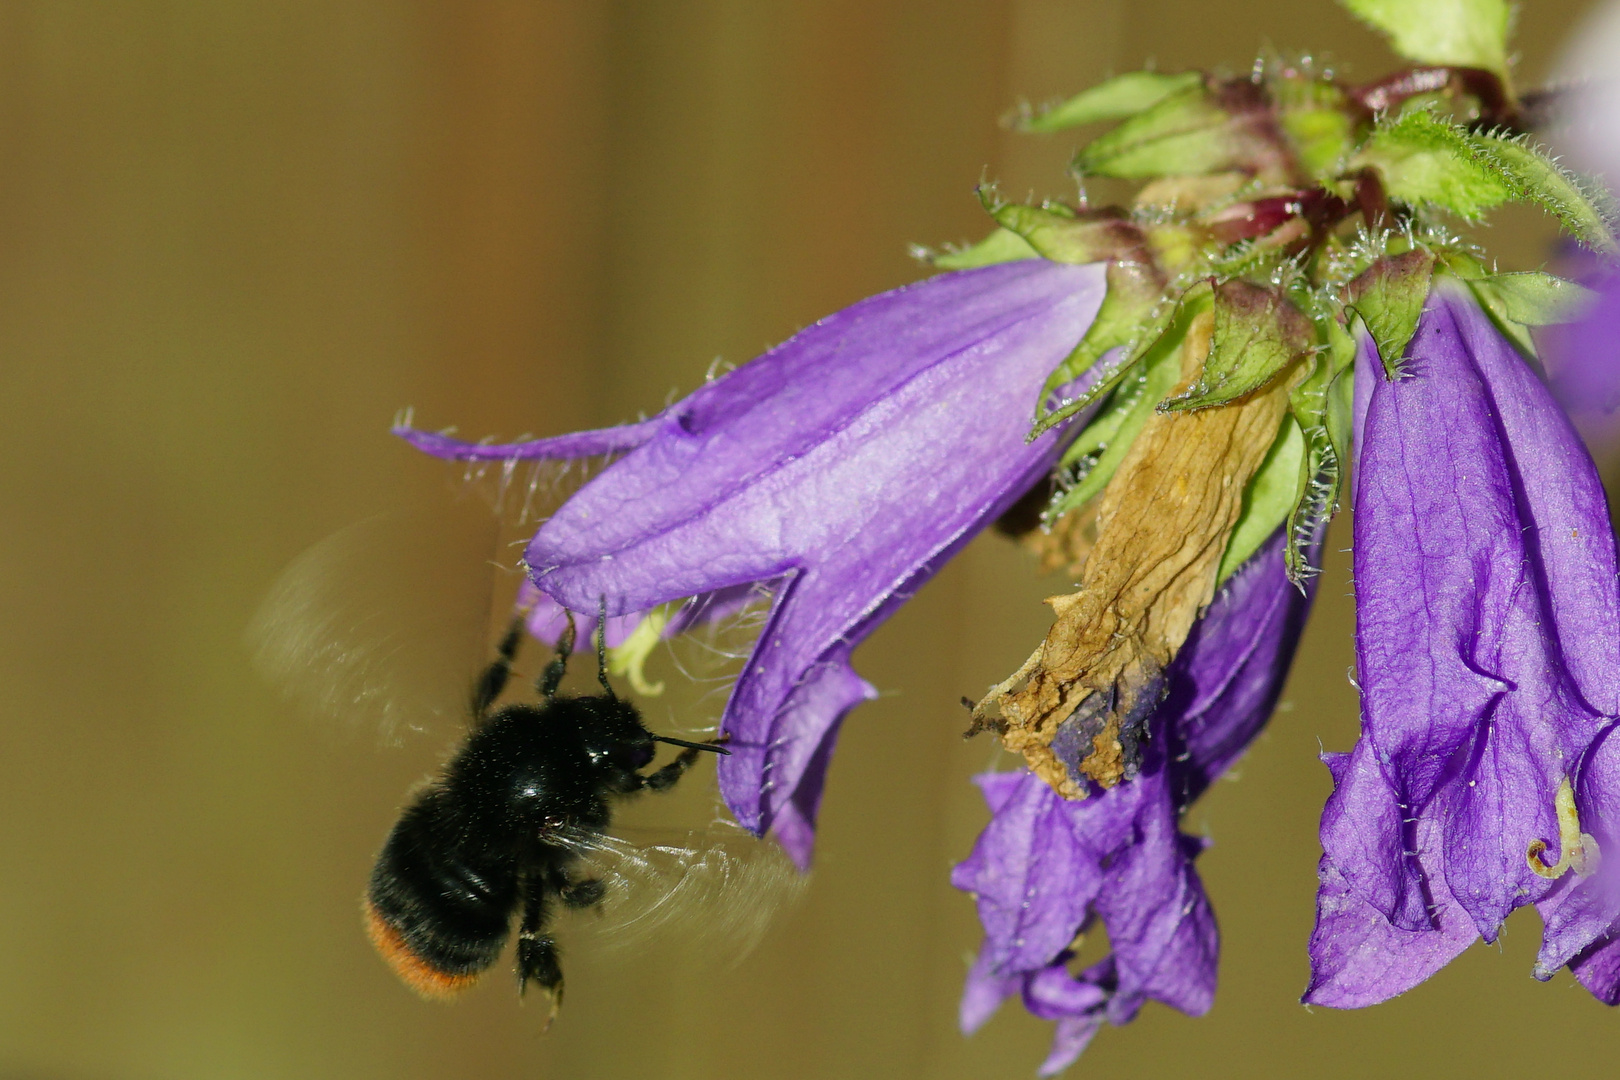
(628, 660)
(1578, 851)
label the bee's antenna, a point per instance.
(710, 747)
(601, 647)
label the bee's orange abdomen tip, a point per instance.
(415, 971)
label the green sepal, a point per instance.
(1133, 315)
(1533, 298)
(1258, 332)
(1317, 118)
(1095, 455)
(1119, 97)
(1001, 246)
(1187, 133)
(1580, 206)
(1061, 236)
(1271, 494)
(1389, 297)
(1459, 33)
(1424, 159)
(1321, 405)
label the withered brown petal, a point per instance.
(1075, 709)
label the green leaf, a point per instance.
(1063, 237)
(1459, 33)
(1271, 494)
(1119, 97)
(1001, 246)
(1389, 296)
(1097, 453)
(1258, 332)
(1531, 176)
(1133, 315)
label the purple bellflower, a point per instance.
(842, 467)
(1046, 868)
(1280, 299)
(1488, 646)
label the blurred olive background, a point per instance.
(236, 238)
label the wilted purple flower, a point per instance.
(1488, 643)
(1046, 868)
(842, 467)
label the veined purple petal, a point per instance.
(845, 464)
(1488, 646)
(1358, 957)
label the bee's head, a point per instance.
(612, 735)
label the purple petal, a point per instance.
(1031, 875)
(1358, 957)
(1584, 356)
(545, 619)
(848, 463)
(1485, 613)
(1488, 646)
(576, 444)
(983, 993)
(1588, 911)
(1069, 1041)
(1225, 681)
(1598, 969)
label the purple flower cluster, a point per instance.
(845, 466)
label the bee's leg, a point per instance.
(552, 677)
(575, 894)
(493, 680)
(663, 779)
(585, 893)
(601, 648)
(537, 960)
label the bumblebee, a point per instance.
(499, 830)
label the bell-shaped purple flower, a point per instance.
(1488, 644)
(843, 468)
(1046, 869)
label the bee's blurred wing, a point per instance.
(383, 625)
(716, 888)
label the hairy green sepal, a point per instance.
(1095, 455)
(1389, 297)
(1133, 316)
(1424, 159)
(1188, 133)
(1001, 246)
(1258, 332)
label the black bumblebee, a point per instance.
(500, 829)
